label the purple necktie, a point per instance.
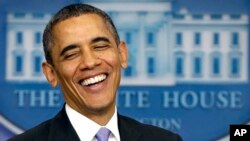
(103, 134)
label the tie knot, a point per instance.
(103, 134)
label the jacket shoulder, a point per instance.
(160, 134)
(150, 132)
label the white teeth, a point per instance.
(93, 80)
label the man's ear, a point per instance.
(50, 74)
(123, 53)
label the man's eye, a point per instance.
(70, 56)
(101, 47)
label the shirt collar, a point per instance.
(112, 125)
(82, 125)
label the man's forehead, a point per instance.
(91, 21)
(77, 23)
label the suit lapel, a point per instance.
(61, 128)
(128, 130)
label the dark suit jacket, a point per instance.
(59, 128)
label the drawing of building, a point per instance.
(214, 47)
(166, 47)
(24, 46)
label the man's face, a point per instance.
(86, 63)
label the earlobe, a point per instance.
(123, 50)
(49, 73)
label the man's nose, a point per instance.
(89, 60)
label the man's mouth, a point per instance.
(94, 80)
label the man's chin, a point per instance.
(100, 109)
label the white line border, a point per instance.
(10, 126)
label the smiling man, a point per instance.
(84, 56)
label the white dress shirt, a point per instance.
(86, 129)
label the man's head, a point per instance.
(70, 11)
(86, 60)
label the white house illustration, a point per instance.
(24, 46)
(165, 47)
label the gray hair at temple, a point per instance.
(70, 11)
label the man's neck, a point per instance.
(100, 116)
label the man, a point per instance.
(84, 56)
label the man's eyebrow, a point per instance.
(98, 39)
(67, 48)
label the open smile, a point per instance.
(93, 80)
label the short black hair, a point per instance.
(73, 10)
